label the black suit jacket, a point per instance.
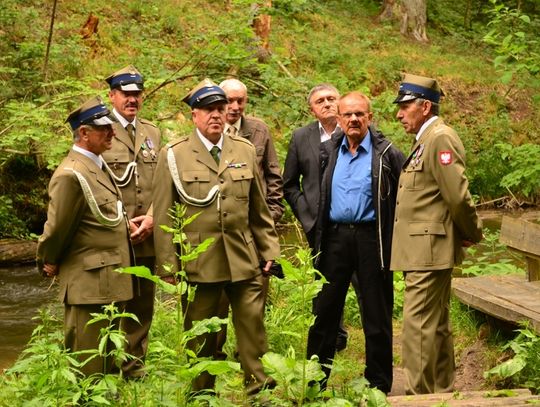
(301, 175)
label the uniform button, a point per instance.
(225, 231)
(225, 214)
(139, 190)
(425, 230)
(102, 262)
(139, 206)
(196, 177)
(221, 180)
(400, 185)
(223, 197)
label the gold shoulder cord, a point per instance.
(94, 208)
(212, 194)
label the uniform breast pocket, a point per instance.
(196, 182)
(118, 162)
(413, 177)
(241, 178)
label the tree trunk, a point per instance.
(412, 15)
(413, 19)
(13, 251)
(261, 27)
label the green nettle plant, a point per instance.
(523, 369)
(494, 259)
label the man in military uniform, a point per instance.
(86, 234)
(133, 159)
(435, 219)
(217, 177)
(258, 133)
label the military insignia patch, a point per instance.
(445, 157)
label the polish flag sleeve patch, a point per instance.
(445, 157)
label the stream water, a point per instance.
(23, 291)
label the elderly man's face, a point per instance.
(324, 104)
(96, 139)
(412, 115)
(354, 117)
(127, 103)
(237, 98)
(210, 120)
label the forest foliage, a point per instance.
(486, 59)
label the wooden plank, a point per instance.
(533, 268)
(521, 235)
(524, 237)
(515, 397)
(507, 297)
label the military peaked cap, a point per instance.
(126, 79)
(414, 87)
(93, 112)
(204, 94)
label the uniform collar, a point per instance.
(208, 144)
(425, 125)
(123, 120)
(95, 158)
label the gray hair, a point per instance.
(233, 83)
(76, 135)
(321, 86)
(434, 110)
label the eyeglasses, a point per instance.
(349, 115)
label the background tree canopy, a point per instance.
(485, 53)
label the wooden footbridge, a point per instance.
(510, 298)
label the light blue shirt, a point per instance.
(352, 200)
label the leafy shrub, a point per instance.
(524, 165)
(523, 369)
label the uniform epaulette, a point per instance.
(176, 141)
(144, 121)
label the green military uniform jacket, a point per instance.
(137, 194)
(86, 251)
(238, 219)
(434, 210)
(258, 133)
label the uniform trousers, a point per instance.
(142, 305)
(348, 249)
(247, 302)
(223, 313)
(78, 336)
(427, 344)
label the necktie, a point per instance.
(215, 153)
(231, 131)
(130, 130)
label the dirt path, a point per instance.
(469, 370)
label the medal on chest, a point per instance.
(415, 160)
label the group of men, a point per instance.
(365, 208)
